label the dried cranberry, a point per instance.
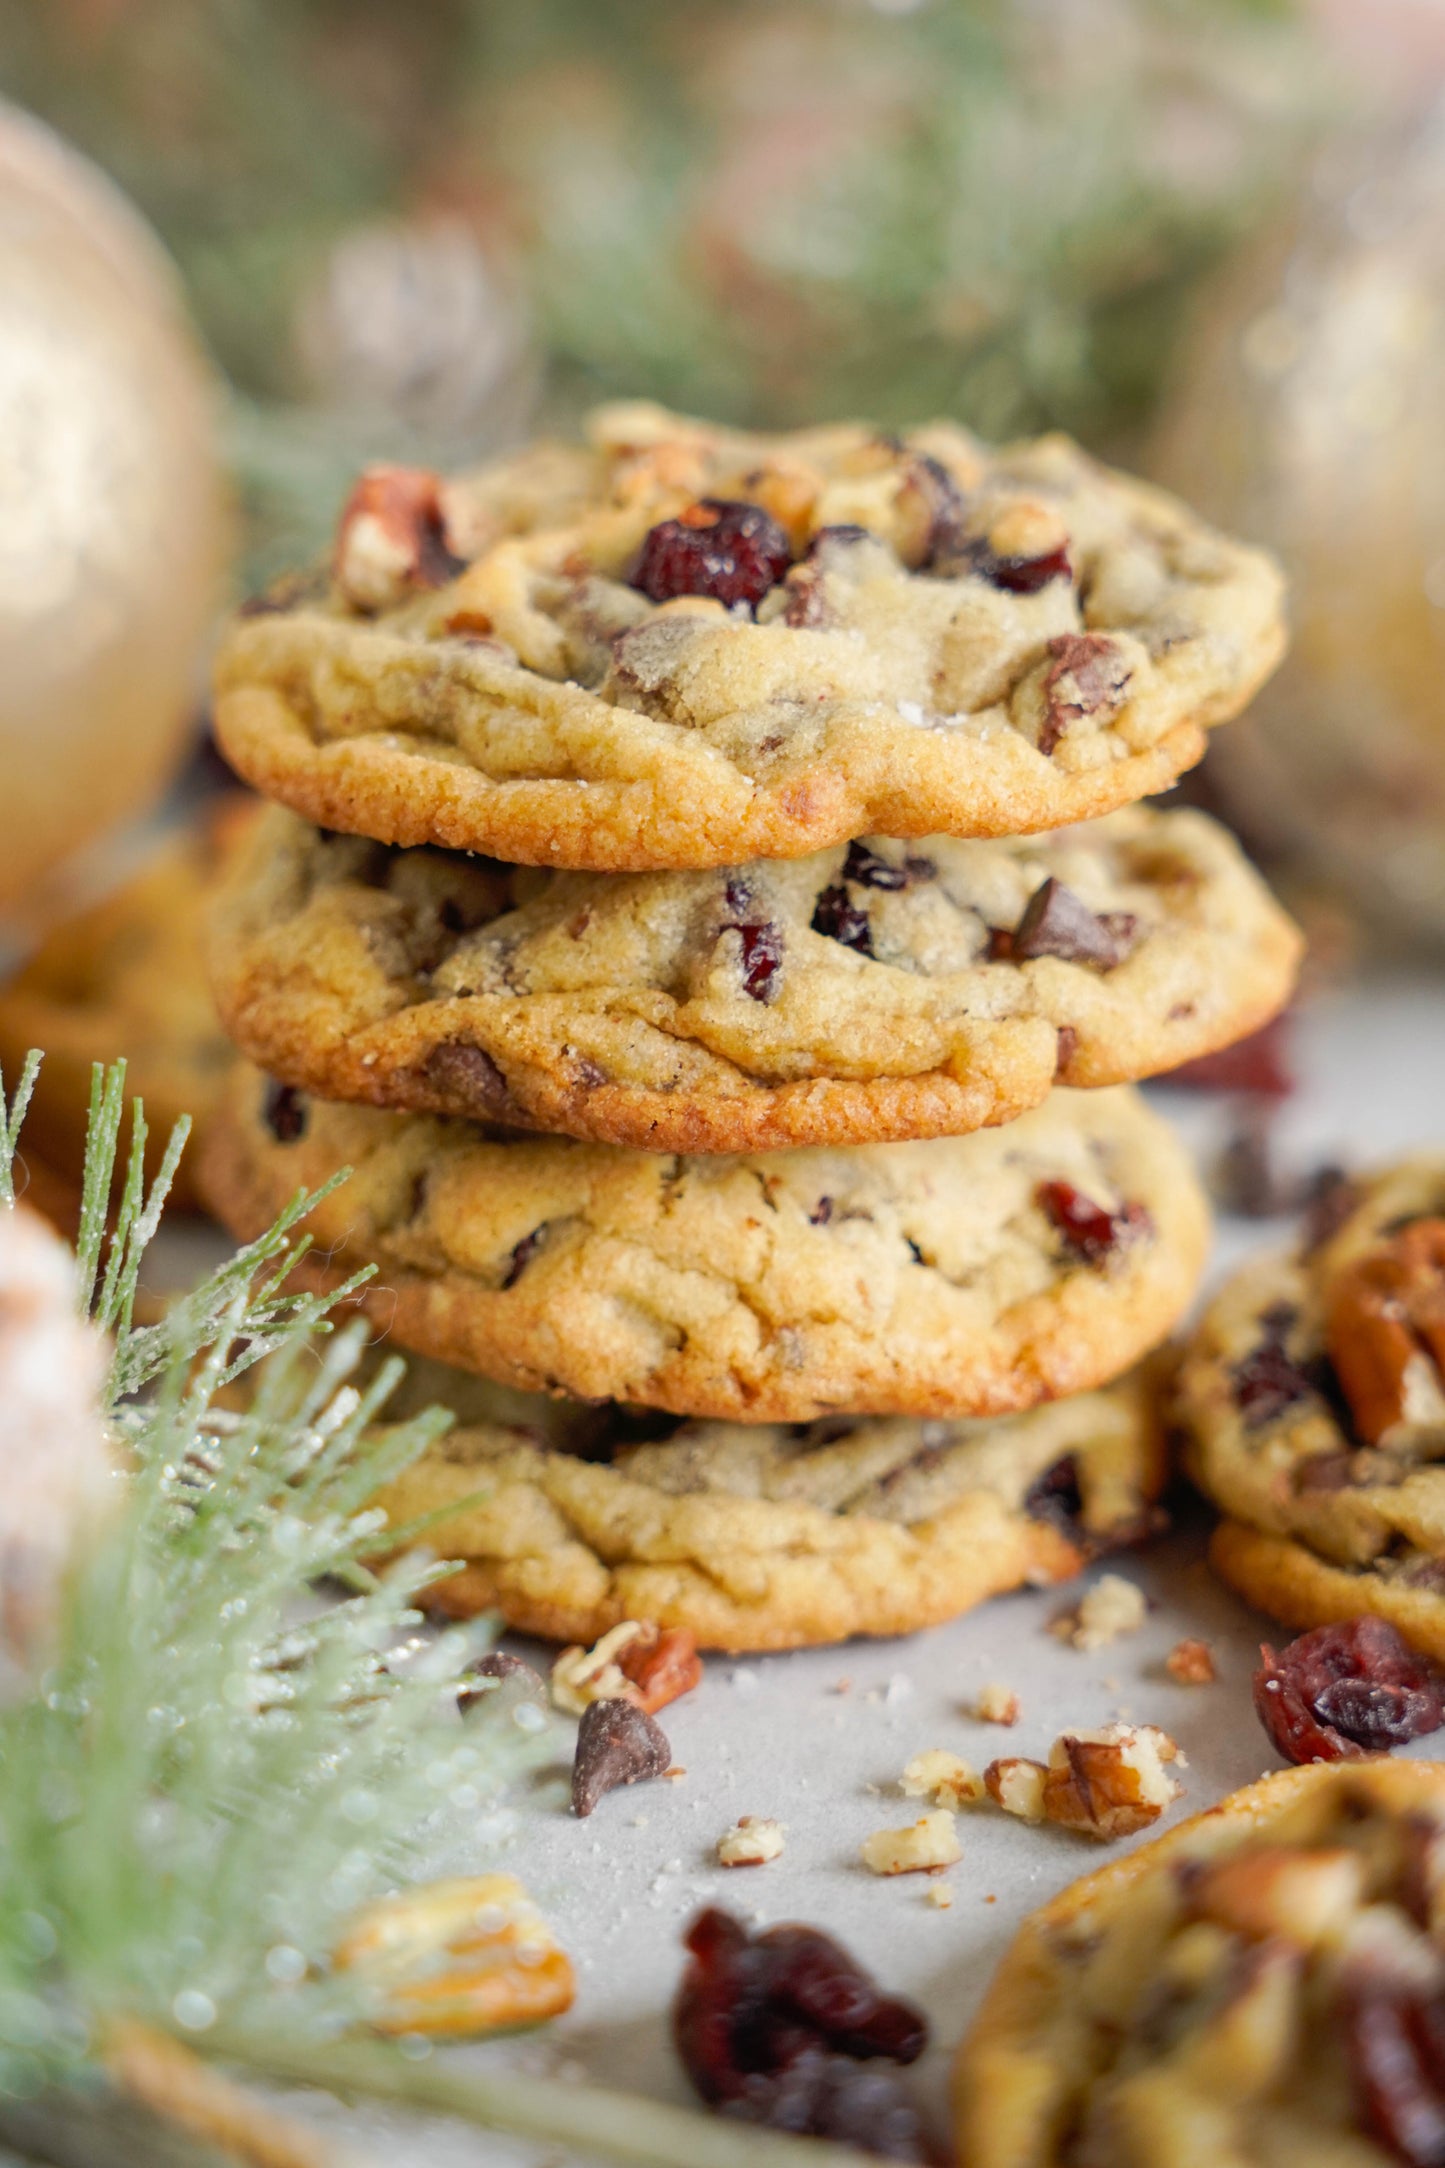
(1345, 1691)
(284, 1112)
(1020, 575)
(1256, 1064)
(837, 916)
(1090, 1230)
(772, 2028)
(1267, 1380)
(1395, 2043)
(522, 1255)
(733, 552)
(762, 960)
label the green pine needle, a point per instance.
(217, 1769)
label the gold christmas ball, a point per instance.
(113, 516)
(1309, 417)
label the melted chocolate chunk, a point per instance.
(841, 919)
(469, 1078)
(1056, 922)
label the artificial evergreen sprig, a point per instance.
(216, 1768)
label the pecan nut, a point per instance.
(457, 1958)
(1385, 1331)
(392, 538)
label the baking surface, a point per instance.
(818, 1739)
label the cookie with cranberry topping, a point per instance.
(875, 991)
(938, 1278)
(681, 646)
(1265, 1984)
(126, 977)
(1313, 1395)
(769, 1536)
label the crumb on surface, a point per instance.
(939, 1895)
(1111, 1608)
(752, 1841)
(947, 1779)
(997, 1704)
(1191, 1663)
(925, 1845)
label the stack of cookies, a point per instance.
(706, 905)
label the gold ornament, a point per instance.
(1309, 417)
(113, 523)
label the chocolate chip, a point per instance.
(1056, 1496)
(616, 1744)
(497, 1665)
(467, 1077)
(1086, 674)
(870, 871)
(1056, 922)
(821, 1213)
(284, 1112)
(523, 1254)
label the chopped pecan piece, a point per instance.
(1385, 1331)
(1111, 1608)
(1191, 1663)
(997, 1704)
(1017, 1785)
(392, 538)
(926, 1845)
(752, 1841)
(457, 1958)
(1304, 1897)
(662, 1667)
(1110, 1783)
(944, 1778)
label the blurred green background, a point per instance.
(413, 229)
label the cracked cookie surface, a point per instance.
(126, 977)
(963, 1276)
(872, 992)
(679, 646)
(1313, 1400)
(1250, 1989)
(763, 1536)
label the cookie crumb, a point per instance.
(997, 1704)
(926, 1845)
(944, 1778)
(1191, 1663)
(940, 1895)
(751, 1842)
(1111, 1608)
(581, 1676)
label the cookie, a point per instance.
(681, 647)
(1249, 1988)
(762, 1536)
(875, 991)
(965, 1276)
(1313, 1402)
(126, 977)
